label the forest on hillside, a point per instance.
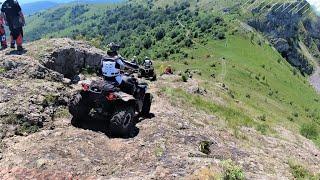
(137, 28)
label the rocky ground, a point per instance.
(38, 141)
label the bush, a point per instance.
(27, 127)
(262, 117)
(309, 130)
(147, 43)
(160, 34)
(232, 171)
(2, 70)
(300, 172)
(220, 35)
(263, 128)
(184, 78)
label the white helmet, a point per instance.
(109, 69)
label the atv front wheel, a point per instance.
(79, 109)
(122, 122)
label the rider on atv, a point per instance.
(116, 98)
(147, 62)
(147, 70)
(111, 67)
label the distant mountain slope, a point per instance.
(31, 8)
(34, 7)
(68, 1)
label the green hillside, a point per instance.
(236, 64)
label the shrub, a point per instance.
(184, 77)
(300, 172)
(232, 171)
(220, 35)
(2, 70)
(188, 42)
(62, 113)
(147, 43)
(295, 114)
(50, 99)
(263, 128)
(27, 127)
(309, 130)
(262, 117)
(160, 34)
(290, 118)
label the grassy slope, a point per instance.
(262, 82)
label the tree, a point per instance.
(147, 43)
(160, 33)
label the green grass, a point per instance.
(232, 171)
(310, 130)
(255, 75)
(234, 117)
(62, 112)
(50, 99)
(299, 172)
(2, 70)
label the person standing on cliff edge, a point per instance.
(14, 18)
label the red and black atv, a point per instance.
(118, 108)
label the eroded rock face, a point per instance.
(33, 86)
(30, 95)
(73, 58)
(285, 29)
(281, 45)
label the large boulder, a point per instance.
(70, 57)
(281, 45)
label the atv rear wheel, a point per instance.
(79, 109)
(146, 105)
(122, 122)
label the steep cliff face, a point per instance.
(285, 27)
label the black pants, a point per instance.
(16, 32)
(129, 85)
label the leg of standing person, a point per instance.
(12, 40)
(19, 39)
(3, 37)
